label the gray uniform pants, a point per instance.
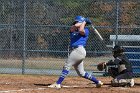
(76, 59)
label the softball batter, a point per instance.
(78, 38)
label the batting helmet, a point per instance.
(79, 19)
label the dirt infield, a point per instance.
(39, 83)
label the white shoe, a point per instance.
(57, 86)
(99, 84)
(132, 83)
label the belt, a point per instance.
(73, 47)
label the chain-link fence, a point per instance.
(35, 33)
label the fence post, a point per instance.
(117, 20)
(24, 40)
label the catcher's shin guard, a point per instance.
(122, 83)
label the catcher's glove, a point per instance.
(101, 66)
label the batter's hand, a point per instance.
(88, 21)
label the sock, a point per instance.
(91, 77)
(62, 76)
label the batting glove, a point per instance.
(88, 21)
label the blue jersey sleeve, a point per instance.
(86, 31)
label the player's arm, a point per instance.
(110, 62)
(80, 27)
(73, 28)
(113, 62)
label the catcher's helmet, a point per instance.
(79, 19)
(117, 50)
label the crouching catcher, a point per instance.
(119, 68)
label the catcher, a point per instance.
(119, 68)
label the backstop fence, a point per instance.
(34, 34)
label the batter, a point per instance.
(78, 38)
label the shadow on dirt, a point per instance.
(42, 84)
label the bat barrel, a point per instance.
(98, 34)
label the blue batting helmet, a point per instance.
(79, 19)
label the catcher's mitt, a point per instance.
(101, 66)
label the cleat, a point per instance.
(99, 84)
(132, 83)
(57, 86)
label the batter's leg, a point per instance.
(80, 71)
(68, 64)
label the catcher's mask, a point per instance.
(117, 51)
(78, 19)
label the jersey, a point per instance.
(78, 39)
